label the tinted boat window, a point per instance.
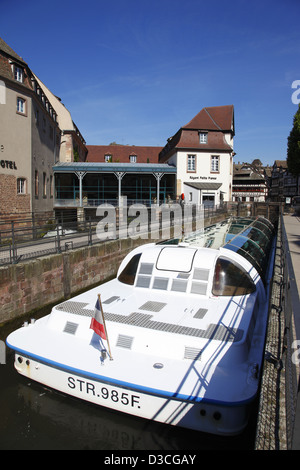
(127, 276)
(231, 279)
(253, 243)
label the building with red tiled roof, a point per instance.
(122, 154)
(202, 152)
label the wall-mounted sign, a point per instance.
(8, 164)
(202, 177)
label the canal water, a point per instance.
(33, 417)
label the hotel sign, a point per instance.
(8, 164)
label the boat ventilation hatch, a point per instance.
(70, 327)
(124, 341)
(111, 299)
(200, 313)
(179, 285)
(152, 306)
(193, 354)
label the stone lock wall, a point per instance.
(33, 284)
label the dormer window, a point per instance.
(108, 158)
(18, 72)
(132, 158)
(203, 137)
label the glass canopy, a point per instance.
(253, 242)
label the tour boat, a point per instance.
(177, 337)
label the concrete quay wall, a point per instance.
(31, 285)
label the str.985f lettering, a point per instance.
(104, 393)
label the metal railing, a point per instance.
(35, 235)
(24, 238)
(38, 235)
(291, 309)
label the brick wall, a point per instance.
(10, 201)
(34, 284)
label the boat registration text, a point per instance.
(104, 392)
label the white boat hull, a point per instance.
(200, 416)
(186, 328)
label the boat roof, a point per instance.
(250, 237)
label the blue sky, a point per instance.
(134, 71)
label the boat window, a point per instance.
(180, 260)
(127, 276)
(231, 279)
(253, 243)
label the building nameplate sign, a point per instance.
(203, 177)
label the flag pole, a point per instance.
(110, 356)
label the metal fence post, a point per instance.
(14, 257)
(90, 231)
(58, 239)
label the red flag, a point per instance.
(97, 323)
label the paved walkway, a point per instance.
(292, 227)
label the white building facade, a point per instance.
(202, 152)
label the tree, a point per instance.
(293, 147)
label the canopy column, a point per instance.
(119, 175)
(80, 175)
(158, 177)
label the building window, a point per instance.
(44, 185)
(21, 106)
(191, 163)
(215, 164)
(203, 137)
(18, 71)
(108, 158)
(133, 158)
(21, 186)
(36, 183)
(51, 185)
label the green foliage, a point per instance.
(293, 148)
(76, 154)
